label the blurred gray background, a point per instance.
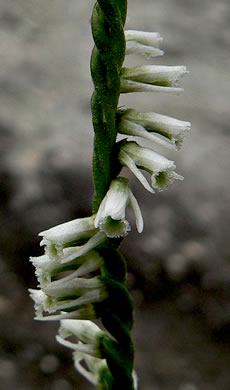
(178, 269)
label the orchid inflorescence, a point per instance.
(81, 275)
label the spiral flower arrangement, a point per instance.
(82, 275)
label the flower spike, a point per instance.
(81, 276)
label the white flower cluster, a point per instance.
(160, 129)
(68, 288)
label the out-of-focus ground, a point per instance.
(179, 270)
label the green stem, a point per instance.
(116, 311)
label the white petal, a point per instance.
(147, 158)
(93, 296)
(137, 212)
(134, 129)
(115, 201)
(115, 228)
(42, 302)
(88, 266)
(84, 330)
(162, 180)
(110, 217)
(129, 163)
(135, 380)
(86, 348)
(78, 251)
(69, 231)
(127, 86)
(84, 313)
(92, 378)
(146, 38)
(93, 364)
(133, 47)
(171, 129)
(151, 74)
(75, 286)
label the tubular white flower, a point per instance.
(164, 130)
(94, 366)
(69, 295)
(161, 169)
(85, 331)
(147, 78)
(67, 234)
(77, 286)
(110, 217)
(45, 268)
(85, 312)
(44, 302)
(145, 43)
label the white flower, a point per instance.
(43, 302)
(95, 366)
(64, 241)
(164, 130)
(161, 169)
(46, 269)
(147, 78)
(110, 217)
(67, 234)
(85, 331)
(69, 295)
(145, 43)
